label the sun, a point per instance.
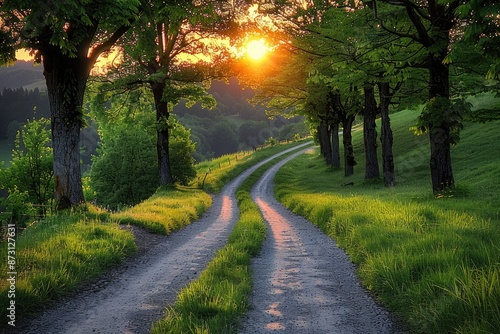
(257, 49)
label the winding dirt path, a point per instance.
(130, 299)
(303, 283)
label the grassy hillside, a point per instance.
(435, 261)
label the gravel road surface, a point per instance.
(303, 283)
(131, 298)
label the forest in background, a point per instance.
(233, 125)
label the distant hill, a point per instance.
(233, 125)
(23, 74)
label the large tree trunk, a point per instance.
(66, 79)
(334, 130)
(324, 139)
(370, 133)
(439, 134)
(165, 177)
(349, 161)
(441, 169)
(386, 137)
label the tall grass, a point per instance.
(214, 302)
(434, 261)
(167, 210)
(56, 255)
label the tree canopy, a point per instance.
(67, 37)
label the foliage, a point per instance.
(32, 21)
(271, 141)
(433, 261)
(440, 112)
(30, 172)
(59, 253)
(18, 208)
(182, 149)
(125, 169)
(483, 30)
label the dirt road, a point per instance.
(133, 297)
(303, 283)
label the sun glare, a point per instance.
(257, 48)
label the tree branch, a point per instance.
(106, 46)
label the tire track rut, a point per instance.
(303, 283)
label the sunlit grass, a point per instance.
(56, 255)
(214, 302)
(214, 174)
(434, 261)
(167, 210)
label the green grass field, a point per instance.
(434, 261)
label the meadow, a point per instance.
(433, 260)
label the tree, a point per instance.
(482, 29)
(428, 24)
(31, 169)
(159, 54)
(67, 37)
(125, 169)
(370, 132)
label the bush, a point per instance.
(125, 171)
(29, 179)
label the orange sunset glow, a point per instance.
(257, 49)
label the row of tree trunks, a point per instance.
(324, 141)
(329, 143)
(349, 161)
(370, 135)
(334, 129)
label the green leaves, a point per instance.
(30, 173)
(69, 25)
(440, 112)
